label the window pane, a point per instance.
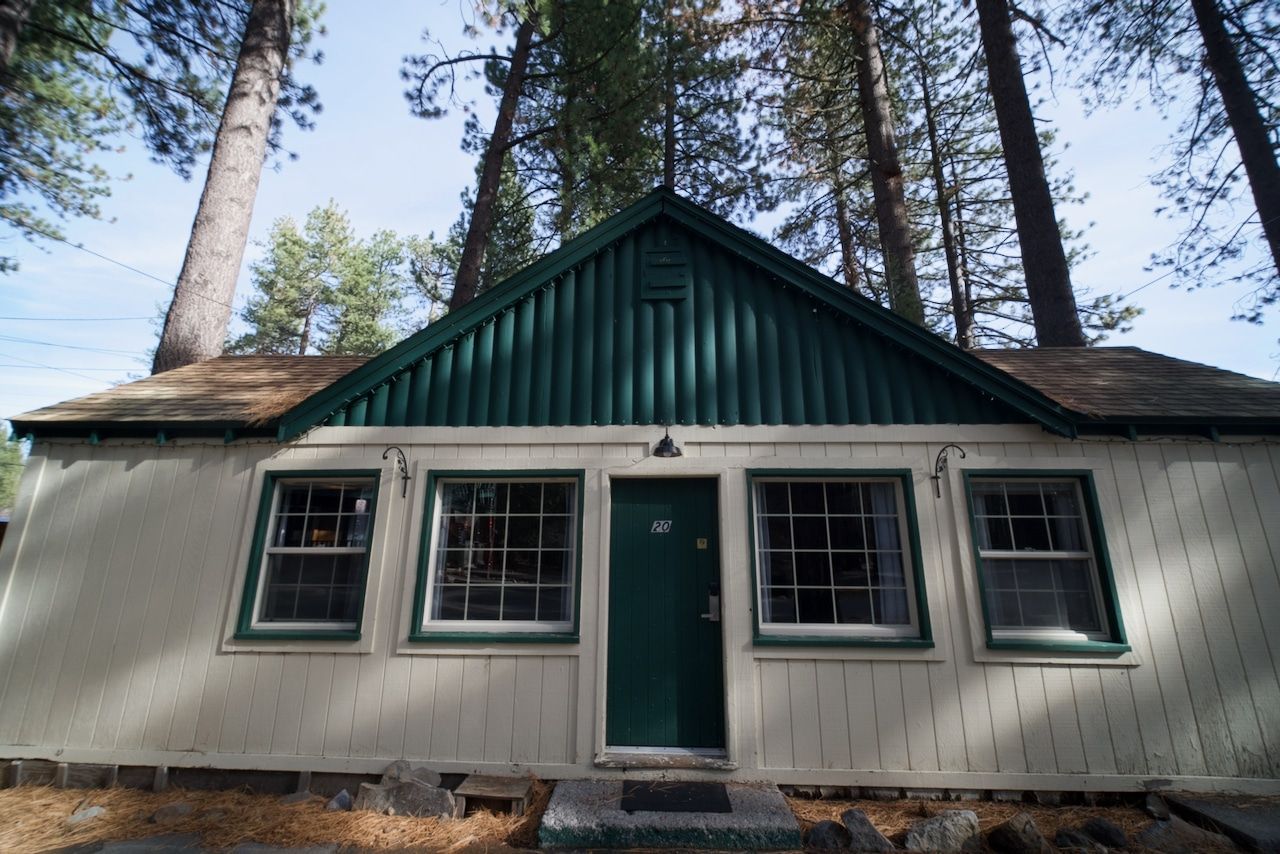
(1082, 612)
(815, 606)
(773, 498)
(357, 499)
(779, 605)
(522, 567)
(451, 602)
(810, 532)
(843, 498)
(555, 532)
(316, 570)
(850, 569)
(1030, 533)
(490, 532)
(553, 604)
(813, 568)
(1003, 605)
(557, 498)
(807, 498)
(520, 602)
(1060, 499)
(458, 497)
(778, 568)
(891, 606)
(1073, 575)
(289, 531)
(523, 532)
(988, 500)
(353, 531)
(1039, 609)
(484, 602)
(886, 569)
(853, 606)
(994, 533)
(457, 531)
(847, 532)
(313, 604)
(1067, 533)
(491, 497)
(776, 531)
(325, 498)
(1024, 498)
(556, 568)
(526, 498)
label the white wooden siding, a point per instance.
(120, 568)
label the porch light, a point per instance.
(666, 447)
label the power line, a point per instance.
(65, 346)
(75, 368)
(51, 367)
(52, 319)
(129, 267)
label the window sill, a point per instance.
(493, 637)
(1049, 646)
(829, 640)
(295, 635)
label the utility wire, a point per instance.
(51, 367)
(75, 368)
(51, 319)
(65, 346)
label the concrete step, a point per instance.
(588, 814)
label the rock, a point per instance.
(405, 798)
(87, 814)
(340, 801)
(403, 771)
(169, 813)
(296, 798)
(1156, 807)
(946, 832)
(863, 835)
(1176, 836)
(1073, 840)
(1019, 835)
(827, 836)
(1105, 832)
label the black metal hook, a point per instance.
(940, 465)
(403, 465)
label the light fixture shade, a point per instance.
(666, 447)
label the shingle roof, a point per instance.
(1110, 383)
(1118, 383)
(228, 391)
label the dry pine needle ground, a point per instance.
(892, 818)
(35, 819)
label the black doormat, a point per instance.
(674, 797)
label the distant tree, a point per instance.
(11, 465)
(195, 326)
(323, 290)
(13, 16)
(1217, 62)
(1044, 260)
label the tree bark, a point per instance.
(1247, 124)
(886, 168)
(960, 308)
(848, 263)
(196, 325)
(669, 105)
(468, 278)
(13, 14)
(1044, 261)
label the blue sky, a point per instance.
(390, 170)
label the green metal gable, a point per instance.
(585, 336)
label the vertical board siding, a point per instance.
(117, 578)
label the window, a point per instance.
(503, 555)
(1038, 561)
(311, 552)
(836, 556)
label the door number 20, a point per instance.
(661, 526)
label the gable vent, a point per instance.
(666, 274)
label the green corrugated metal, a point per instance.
(742, 348)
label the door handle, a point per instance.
(713, 603)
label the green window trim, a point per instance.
(245, 629)
(924, 637)
(419, 634)
(1117, 643)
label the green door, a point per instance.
(665, 669)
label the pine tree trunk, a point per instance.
(669, 106)
(1247, 124)
(196, 325)
(960, 309)
(848, 263)
(886, 169)
(1044, 261)
(468, 278)
(13, 14)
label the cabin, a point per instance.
(668, 503)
